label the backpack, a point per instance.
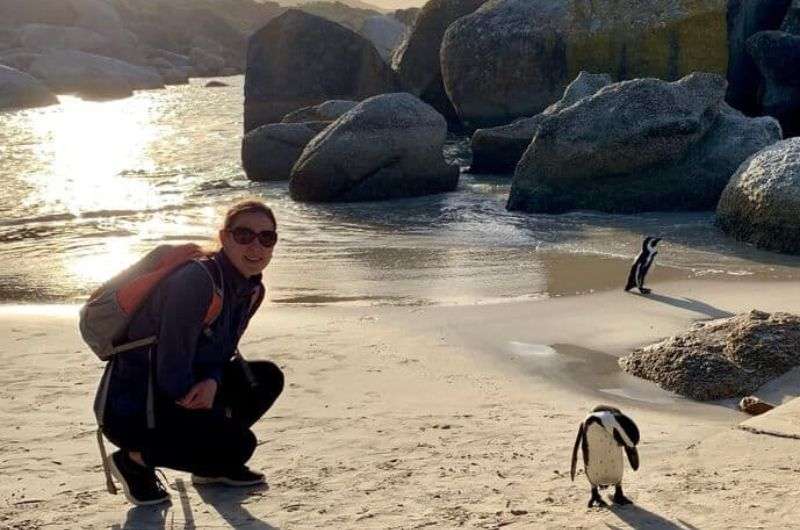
(105, 317)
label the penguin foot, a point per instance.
(645, 290)
(620, 498)
(597, 500)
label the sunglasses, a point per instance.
(245, 236)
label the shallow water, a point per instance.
(91, 185)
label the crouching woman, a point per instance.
(188, 401)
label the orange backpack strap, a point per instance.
(215, 275)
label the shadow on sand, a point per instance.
(689, 304)
(641, 518)
(229, 504)
(226, 501)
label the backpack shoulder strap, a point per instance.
(256, 299)
(218, 284)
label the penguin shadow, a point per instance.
(689, 304)
(228, 502)
(641, 518)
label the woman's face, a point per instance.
(252, 257)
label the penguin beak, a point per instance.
(657, 241)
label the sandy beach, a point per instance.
(416, 417)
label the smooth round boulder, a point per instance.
(206, 63)
(173, 59)
(19, 58)
(20, 90)
(327, 111)
(43, 36)
(174, 76)
(299, 60)
(92, 76)
(640, 145)
(499, 149)
(100, 16)
(270, 151)
(387, 147)
(489, 84)
(761, 203)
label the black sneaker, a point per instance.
(244, 476)
(140, 484)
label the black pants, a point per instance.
(211, 442)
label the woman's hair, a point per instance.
(247, 206)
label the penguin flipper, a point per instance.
(633, 457)
(631, 279)
(578, 441)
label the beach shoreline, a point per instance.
(421, 416)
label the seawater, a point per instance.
(89, 186)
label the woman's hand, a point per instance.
(200, 396)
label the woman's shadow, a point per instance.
(226, 501)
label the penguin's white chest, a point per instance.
(604, 465)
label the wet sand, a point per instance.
(419, 416)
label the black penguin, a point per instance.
(642, 264)
(602, 436)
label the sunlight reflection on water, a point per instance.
(92, 185)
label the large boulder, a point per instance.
(777, 55)
(92, 76)
(498, 149)
(86, 25)
(216, 27)
(639, 145)
(746, 18)
(174, 68)
(44, 36)
(176, 60)
(389, 146)
(417, 59)
(9, 38)
(20, 12)
(327, 111)
(100, 16)
(18, 58)
(489, 84)
(724, 358)
(385, 33)
(206, 63)
(21, 90)
(298, 60)
(761, 203)
(270, 151)
(97, 15)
